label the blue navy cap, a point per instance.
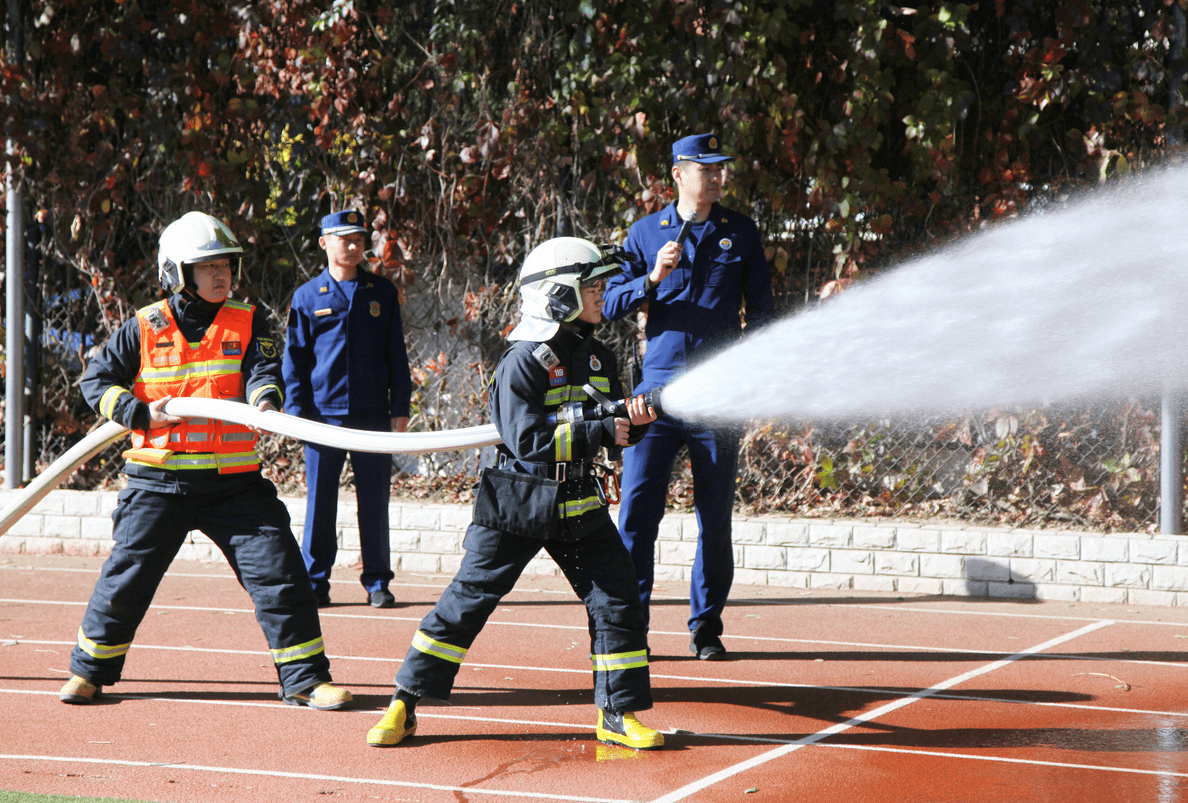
(341, 223)
(703, 148)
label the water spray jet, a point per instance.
(1088, 301)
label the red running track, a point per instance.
(829, 696)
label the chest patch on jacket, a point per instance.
(232, 348)
(557, 376)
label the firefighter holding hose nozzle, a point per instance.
(545, 493)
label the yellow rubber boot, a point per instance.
(621, 727)
(79, 691)
(323, 697)
(394, 727)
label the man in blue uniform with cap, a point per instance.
(345, 364)
(692, 289)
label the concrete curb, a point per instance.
(936, 559)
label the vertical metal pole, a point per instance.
(1171, 451)
(32, 359)
(1171, 466)
(14, 356)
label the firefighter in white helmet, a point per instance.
(546, 493)
(195, 473)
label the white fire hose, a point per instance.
(340, 437)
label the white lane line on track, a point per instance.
(771, 755)
(304, 776)
(893, 604)
(1003, 759)
(495, 622)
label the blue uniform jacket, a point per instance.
(346, 357)
(118, 363)
(696, 309)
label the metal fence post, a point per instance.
(1171, 466)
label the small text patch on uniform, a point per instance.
(232, 348)
(557, 376)
(322, 313)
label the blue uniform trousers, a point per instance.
(251, 527)
(647, 469)
(373, 484)
(598, 569)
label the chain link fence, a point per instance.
(1092, 466)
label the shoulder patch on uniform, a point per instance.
(545, 356)
(266, 347)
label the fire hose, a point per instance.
(238, 413)
(299, 428)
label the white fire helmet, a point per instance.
(194, 237)
(550, 280)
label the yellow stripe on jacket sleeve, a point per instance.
(254, 399)
(111, 397)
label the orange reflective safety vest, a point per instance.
(210, 369)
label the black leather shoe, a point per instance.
(706, 643)
(382, 599)
(323, 599)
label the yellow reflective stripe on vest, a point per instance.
(180, 461)
(298, 652)
(101, 651)
(576, 507)
(563, 443)
(150, 375)
(438, 649)
(617, 661)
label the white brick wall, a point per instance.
(951, 559)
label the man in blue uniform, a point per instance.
(692, 294)
(196, 473)
(546, 494)
(345, 364)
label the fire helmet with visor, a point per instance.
(194, 237)
(551, 280)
